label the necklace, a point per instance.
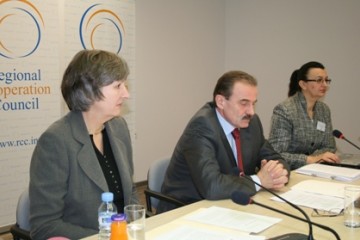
(97, 131)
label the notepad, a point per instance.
(330, 172)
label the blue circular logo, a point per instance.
(99, 26)
(24, 42)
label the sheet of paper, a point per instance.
(334, 189)
(188, 232)
(313, 200)
(233, 219)
(322, 195)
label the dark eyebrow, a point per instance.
(318, 77)
(247, 100)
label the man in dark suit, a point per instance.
(205, 163)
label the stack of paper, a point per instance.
(328, 196)
(331, 172)
(214, 223)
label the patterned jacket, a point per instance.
(295, 135)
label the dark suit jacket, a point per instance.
(66, 180)
(203, 164)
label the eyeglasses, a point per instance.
(319, 81)
(325, 213)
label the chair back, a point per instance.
(23, 211)
(156, 176)
(21, 230)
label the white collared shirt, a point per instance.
(228, 128)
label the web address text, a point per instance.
(18, 143)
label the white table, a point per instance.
(288, 225)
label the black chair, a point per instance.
(153, 193)
(21, 229)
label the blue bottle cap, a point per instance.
(118, 217)
(107, 196)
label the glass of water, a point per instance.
(352, 206)
(135, 218)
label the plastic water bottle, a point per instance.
(106, 210)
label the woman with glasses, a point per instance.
(301, 129)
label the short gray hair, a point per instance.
(87, 72)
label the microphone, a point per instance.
(243, 199)
(339, 135)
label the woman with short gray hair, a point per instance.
(85, 153)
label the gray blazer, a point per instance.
(203, 165)
(295, 136)
(66, 180)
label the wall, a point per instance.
(179, 57)
(270, 39)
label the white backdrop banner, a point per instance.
(37, 40)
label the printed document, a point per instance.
(322, 195)
(224, 217)
(214, 223)
(330, 172)
(189, 232)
